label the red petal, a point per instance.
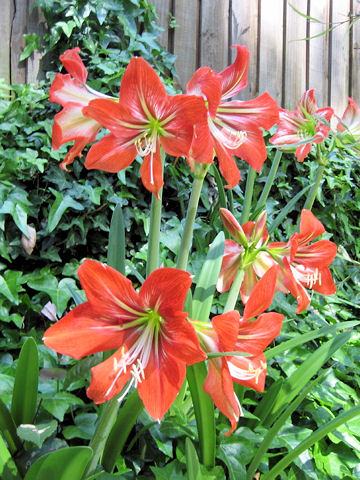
(255, 336)
(82, 332)
(75, 151)
(262, 295)
(165, 290)
(253, 150)
(219, 386)
(110, 154)
(226, 327)
(65, 89)
(164, 377)
(310, 227)
(103, 378)
(142, 91)
(319, 254)
(181, 341)
(351, 116)
(248, 285)
(227, 165)
(74, 65)
(151, 172)
(325, 284)
(234, 77)
(249, 371)
(109, 292)
(230, 265)
(303, 151)
(206, 83)
(201, 149)
(295, 288)
(307, 101)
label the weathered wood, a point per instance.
(244, 31)
(186, 39)
(271, 48)
(214, 34)
(163, 10)
(319, 52)
(18, 29)
(339, 61)
(355, 56)
(295, 54)
(5, 29)
(35, 24)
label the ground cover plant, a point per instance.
(176, 270)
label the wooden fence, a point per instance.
(280, 61)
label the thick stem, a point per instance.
(102, 432)
(154, 234)
(234, 291)
(269, 182)
(186, 240)
(250, 180)
(313, 191)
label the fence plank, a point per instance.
(35, 24)
(319, 51)
(295, 71)
(186, 39)
(5, 28)
(18, 69)
(244, 31)
(339, 90)
(214, 34)
(163, 9)
(355, 83)
(271, 41)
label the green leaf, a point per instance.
(205, 287)
(37, 434)
(64, 464)
(57, 404)
(24, 398)
(32, 42)
(8, 468)
(116, 248)
(315, 437)
(59, 207)
(293, 384)
(8, 428)
(192, 461)
(5, 290)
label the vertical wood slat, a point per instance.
(35, 24)
(295, 59)
(271, 48)
(163, 10)
(319, 51)
(355, 55)
(340, 57)
(5, 28)
(18, 69)
(214, 34)
(186, 39)
(244, 21)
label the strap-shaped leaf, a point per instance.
(64, 464)
(24, 398)
(116, 248)
(205, 288)
(192, 461)
(8, 468)
(8, 428)
(293, 384)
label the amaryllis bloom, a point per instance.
(302, 265)
(154, 341)
(231, 127)
(350, 126)
(73, 94)
(307, 124)
(231, 333)
(145, 118)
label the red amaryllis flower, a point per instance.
(232, 128)
(145, 118)
(230, 333)
(307, 124)
(349, 125)
(301, 264)
(154, 341)
(73, 94)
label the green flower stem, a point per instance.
(269, 182)
(313, 191)
(204, 413)
(234, 291)
(102, 432)
(249, 189)
(186, 240)
(152, 262)
(219, 183)
(125, 421)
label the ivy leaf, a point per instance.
(37, 434)
(59, 207)
(57, 404)
(32, 42)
